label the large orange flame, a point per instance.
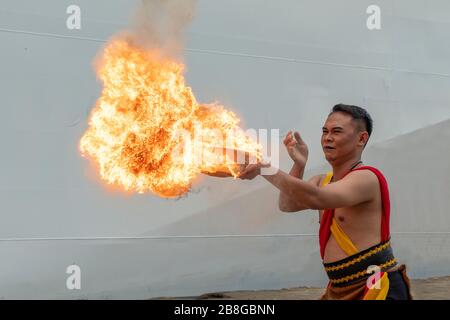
(134, 129)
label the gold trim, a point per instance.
(358, 259)
(361, 273)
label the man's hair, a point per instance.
(360, 115)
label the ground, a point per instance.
(423, 289)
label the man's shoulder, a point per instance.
(364, 175)
(367, 171)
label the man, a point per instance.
(353, 204)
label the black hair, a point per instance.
(357, 113)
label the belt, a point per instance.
(354, 268)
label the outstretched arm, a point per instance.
(357, 187)
(285, 203)
(288, 203)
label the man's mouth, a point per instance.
(328, 148)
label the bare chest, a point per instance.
(361, 223)
(362, 217)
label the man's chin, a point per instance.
(330, 158)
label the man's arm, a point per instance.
(355, 188)
(289, 204)
(298, 151)
(286, 204)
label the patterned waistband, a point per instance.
(354, 268)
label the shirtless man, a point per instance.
(353, 205)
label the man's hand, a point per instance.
(252, 170)
(297, 148)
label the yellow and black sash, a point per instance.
(355, 267)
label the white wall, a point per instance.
(278, 65)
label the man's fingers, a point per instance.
(244, 176)
(292, 138)
(292, 143)
(287, 143)
(287, 138)
(248, 176)
(250, 167)
(247, 170)
(297, 137)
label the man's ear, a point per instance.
(363, 138)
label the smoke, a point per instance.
(161, 24)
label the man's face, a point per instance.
(340, 137)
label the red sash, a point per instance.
(328, 214)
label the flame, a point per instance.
(134, 129)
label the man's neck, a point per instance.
(341, 169)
